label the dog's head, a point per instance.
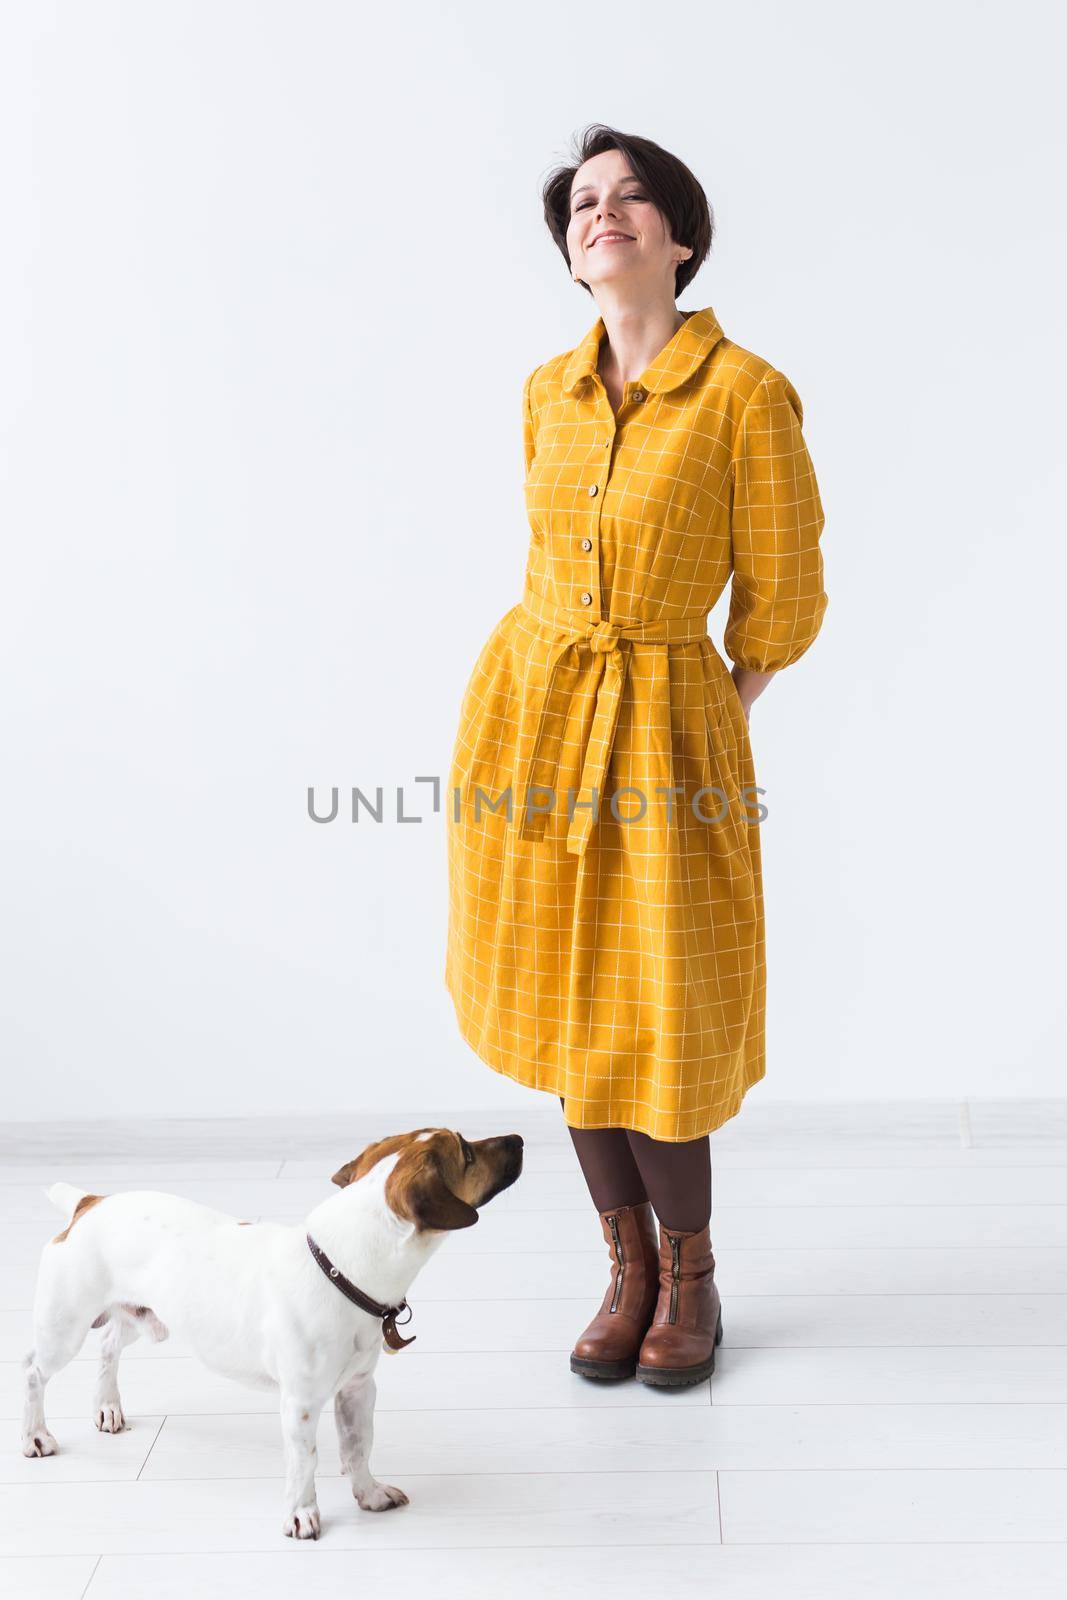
(439, 1179)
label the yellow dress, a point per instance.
(606, 934)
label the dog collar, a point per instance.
(388, 1314)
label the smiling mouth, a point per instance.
(613, 238)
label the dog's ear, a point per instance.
(427, 1201)
(352, 1169)
(373, 1153)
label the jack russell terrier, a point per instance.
(305, 1309)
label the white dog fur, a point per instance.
(250, 1300)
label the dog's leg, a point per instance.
(58, 1340)
(36, 1439)
(300, 1420)
(119, 1331)
(353, 1409)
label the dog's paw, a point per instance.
(381, 1497)
(39, 1443)
(109, 1418)
(303, 1523)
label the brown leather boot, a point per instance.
(679, 1346)
(608, 1347)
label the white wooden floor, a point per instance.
(888, 1417)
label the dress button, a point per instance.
(587, 544)
(639, 394)
(586, 598)
(592, 488)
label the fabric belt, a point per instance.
(610, 643)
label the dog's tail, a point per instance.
(65, 1196)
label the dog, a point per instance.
(305, 1310)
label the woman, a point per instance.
(613, 953)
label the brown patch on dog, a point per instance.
(354, 1169)
(432, 1183)
(80, 1209)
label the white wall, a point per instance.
(271, 277)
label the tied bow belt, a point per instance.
(610, 644)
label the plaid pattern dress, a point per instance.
(606, 929)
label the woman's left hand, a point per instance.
(749, 685)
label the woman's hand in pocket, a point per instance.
(749, 685)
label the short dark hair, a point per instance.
(670, 184)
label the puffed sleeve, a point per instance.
(777, 599)
(529, 435)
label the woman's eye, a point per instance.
(583, 203)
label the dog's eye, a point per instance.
(468, 1153)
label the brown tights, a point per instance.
(624, 1168)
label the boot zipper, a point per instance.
(613, 1224)
(676, 1243)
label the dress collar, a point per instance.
(676, 362)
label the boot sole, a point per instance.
(605, 1371)
(677, 1377)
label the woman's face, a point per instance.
(607, 201)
